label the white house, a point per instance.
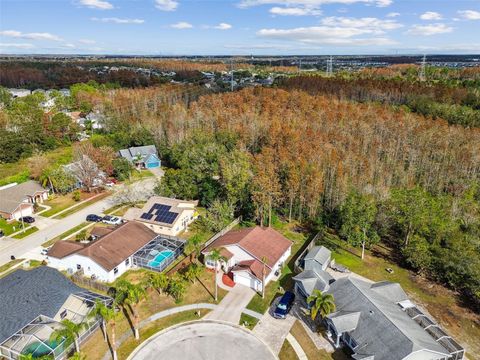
(106, 258)
(164, 215)
(245, 250)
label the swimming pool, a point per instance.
(160, 258)
(39, 349)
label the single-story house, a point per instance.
(377, 321)
(33, 303)
(143, 157)
(106, 258)
(81, 169)
(314, 275)
(244, 250)
(164, 215)
(17, 200)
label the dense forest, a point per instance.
(372, 172)
(317, 159)
(456, 104)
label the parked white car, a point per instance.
(45, 251)
(112, 220)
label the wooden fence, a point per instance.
(298, 268)
(79, 279)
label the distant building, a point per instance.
(17, 200)
(18, 93)
(145, 157)
(164, 215)
(77, 170)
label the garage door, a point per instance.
(246, 279)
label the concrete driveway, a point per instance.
(203, 340)
(274, 331)
(232, 305)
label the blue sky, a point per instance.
(263, 27)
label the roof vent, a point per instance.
(371, 312)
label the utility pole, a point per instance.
(423, 65)
(330, 66)
(300, 66)
(231, 74)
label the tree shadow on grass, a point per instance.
(206, 289)
(128, 316)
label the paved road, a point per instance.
(19, 247)
(204, 340)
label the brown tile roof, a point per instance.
(62, 249)
(99, 231)
(112, 249)
(257, 241)
(226, 254)
(253, 266)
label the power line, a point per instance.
(423, 65)
(329, 66)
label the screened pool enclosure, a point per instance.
(159, 253)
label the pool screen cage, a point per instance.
(147, 255)
(36, 337)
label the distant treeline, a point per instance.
(457, 105)
(47, 75)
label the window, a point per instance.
(63, 314)
(115, 270)
(79, 266)
(127, 262)
(210, 263)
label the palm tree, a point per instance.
(194, 246)
(131, 294)
(108, 315)
(215, 256)
(158, 281)
(30, 356)
(69, 332)
(46, 178)
(78, 356)
(323, 303)
(264, 263)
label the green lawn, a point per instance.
(19, 171)
(139, 175)
(66, 233)
(28, 231)
(287, 352)
(82, 205)
(248, 321)
(59, 203)
(8, 265)
(10, 227)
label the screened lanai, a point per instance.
(159, 253)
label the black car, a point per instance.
(27, 219)
(2, 234)
(284, 306)
(94, 218)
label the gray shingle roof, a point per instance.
(142, 152)
(319, 253)
(383, 329)
(310, 280)
(11, 197)
(24, 295)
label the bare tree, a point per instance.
(87, 172)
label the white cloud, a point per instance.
(294, 11)
(469, 14)
(97, 4)
(182, 25)
(166, 5)
(431, 15)
(312, 4)
(30, 36)
(17, 45)
(393, 14)
(87, 41)
(118, 20)
(377, 26)
(223, 26)
(428, 30)
(325, 35)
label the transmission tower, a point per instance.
(423, 65)
(330, 66)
